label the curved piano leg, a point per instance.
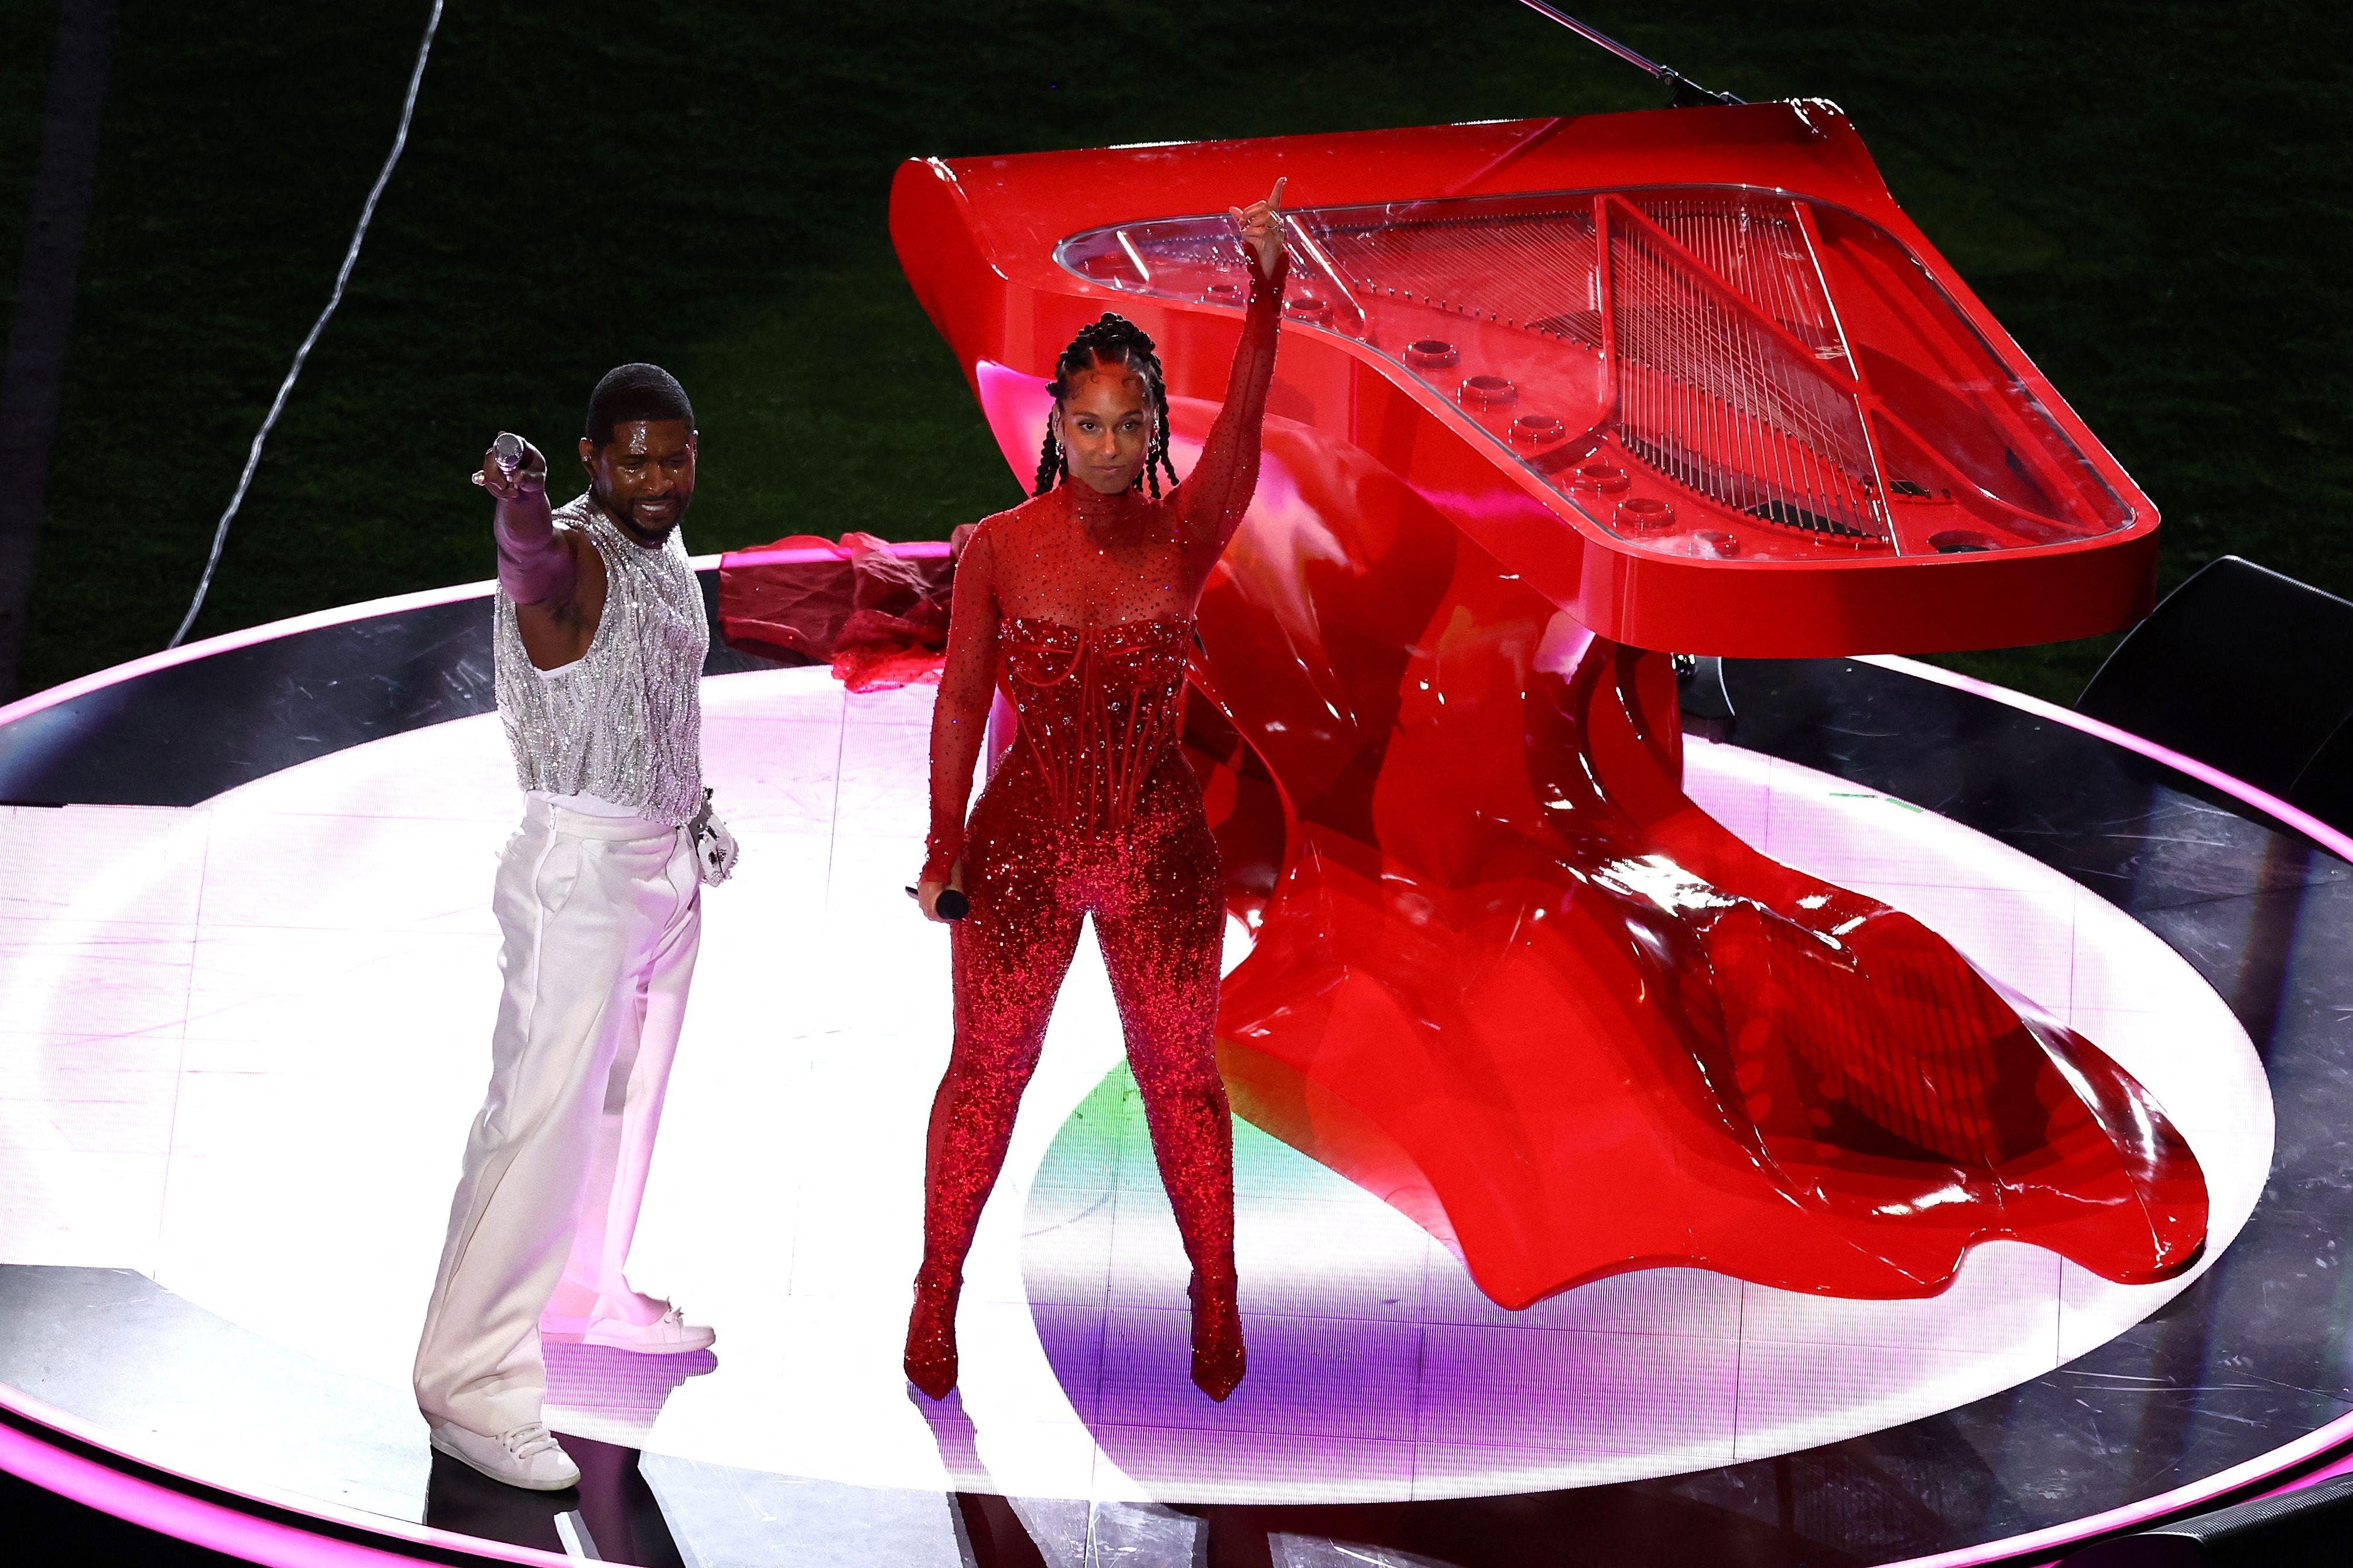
(1510, 978)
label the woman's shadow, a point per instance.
(996, 1531)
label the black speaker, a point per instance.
(2240, 666)
(2324, 788)
(2314, 1525)
(1706, 705)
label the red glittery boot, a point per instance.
(930, 1360)
(1218, 1360)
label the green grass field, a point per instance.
(2154, 198)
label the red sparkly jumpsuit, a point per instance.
(1081, 605)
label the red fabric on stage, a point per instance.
(880, 618)
(1509, 978)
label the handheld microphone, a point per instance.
(952, 905)
(507, 453)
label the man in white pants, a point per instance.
(599, 638)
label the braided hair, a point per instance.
(1113, 340)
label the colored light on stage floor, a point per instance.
(244, 1041)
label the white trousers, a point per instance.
(601, 917)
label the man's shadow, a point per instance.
(612, 1514)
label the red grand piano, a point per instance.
(1556, 400)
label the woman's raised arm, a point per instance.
(1217, 492)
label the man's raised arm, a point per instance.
(534, 566)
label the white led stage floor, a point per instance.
(242, 1042)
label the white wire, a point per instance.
(351, 257)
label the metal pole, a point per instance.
(1686, 92)
(1596, 36)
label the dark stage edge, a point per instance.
(2235, 1376)
(186, 731)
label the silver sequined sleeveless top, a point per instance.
(624, 722)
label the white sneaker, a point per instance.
(670, 1334)
(528, 1456)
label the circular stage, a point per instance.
(246, 1033)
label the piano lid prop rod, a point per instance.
(1683, 93)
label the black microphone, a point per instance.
(951, 904)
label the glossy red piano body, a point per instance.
(1555, 398)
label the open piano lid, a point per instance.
(1504, 971)
(1762, 414)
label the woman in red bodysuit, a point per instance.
(1080, 601)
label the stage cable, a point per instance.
(1682, 92)
(286, 388)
